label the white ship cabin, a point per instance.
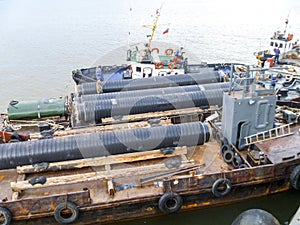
(146, 63)
(282, 41)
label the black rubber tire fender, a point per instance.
(237, 161)
(224, 148)
(170, 202)
(6, 216)
(63, 206)
(225, 141)
(220, 183)
(295, 178)
(243, 165)
(228, 156)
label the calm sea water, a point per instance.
(41, 42)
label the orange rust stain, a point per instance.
(2, 177)
(24, 211)
(267, 191)
(109, 218)
(282, 189)
(189, 206)
(206, 203)
(149, 209)
(53, 207)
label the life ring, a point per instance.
(237, 161)
(5, 216)
(295, 178)
(159, 65)
(170, 203)
(228, 156)
(172, 65)
(155, 49)
(221, 187)
(169, 51)
(61, 216)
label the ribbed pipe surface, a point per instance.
(93, 112)
(102, 144)
(153, 92)
(206, 76)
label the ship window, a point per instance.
(276, 44)
(138, 69)
(280, 45)
(272, 43)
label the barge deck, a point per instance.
(142, 184)
(202, 157)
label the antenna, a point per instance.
(286, 23)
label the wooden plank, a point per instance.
(99, 161)
(169, 173)
(95, 129)
(94, 176)
(169, 113)
(110, 188)
(15, 195)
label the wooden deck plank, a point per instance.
(96, 129)
(100, 161)
(15, 195)
(163, 114)
(93, 176)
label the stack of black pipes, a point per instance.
(102, 144)
(96, 101)
(125, 98)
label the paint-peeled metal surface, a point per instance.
(102, 144)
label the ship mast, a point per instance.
(286, 24)
(153, 29)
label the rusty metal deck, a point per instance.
(282, 149)
(136, 178)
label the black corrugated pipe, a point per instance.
(102, 144)
(154, 92)
(205, 76)
(92, 112)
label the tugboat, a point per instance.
(283, 42)
(144, 61)
(161, 162)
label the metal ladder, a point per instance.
(273, 133)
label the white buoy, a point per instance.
(255, 217)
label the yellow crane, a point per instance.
(154, 26)
(153, 29)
